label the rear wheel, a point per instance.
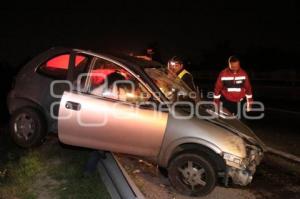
(27, 127)
(191, 174)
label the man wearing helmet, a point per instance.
(233, 86)
(175, 66)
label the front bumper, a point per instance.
(242, 174)
(240, 177)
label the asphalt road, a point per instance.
(279, 129)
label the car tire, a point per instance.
(27, 127)
(192, 174)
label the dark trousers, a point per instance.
(233, 107)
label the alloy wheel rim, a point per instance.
(24, 126)
(193, 175)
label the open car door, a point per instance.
(108, 117)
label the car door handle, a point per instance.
(73, 106)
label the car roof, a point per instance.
(130, 62)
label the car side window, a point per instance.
(109, 80)
(57, 67)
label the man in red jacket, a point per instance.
(232, 87)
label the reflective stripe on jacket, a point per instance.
(233, 87)
(187, 78)
(182, 73)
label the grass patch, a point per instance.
(72, 179)
(49, 171)
(20, 175)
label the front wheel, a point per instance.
(191, 174)
(27, 127)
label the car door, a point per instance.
(109, 116)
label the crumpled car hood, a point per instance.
(239, 128)
(232, 124)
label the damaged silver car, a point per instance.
(126, 105)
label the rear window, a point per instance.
(57, 67)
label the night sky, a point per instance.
(189, 28)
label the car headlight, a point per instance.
(234, 160)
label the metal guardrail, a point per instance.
(284, 155)
(116, 180)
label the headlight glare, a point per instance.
(233, 158)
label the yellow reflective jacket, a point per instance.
(182, 73)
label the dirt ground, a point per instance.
(269, 182)
(155, 186)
